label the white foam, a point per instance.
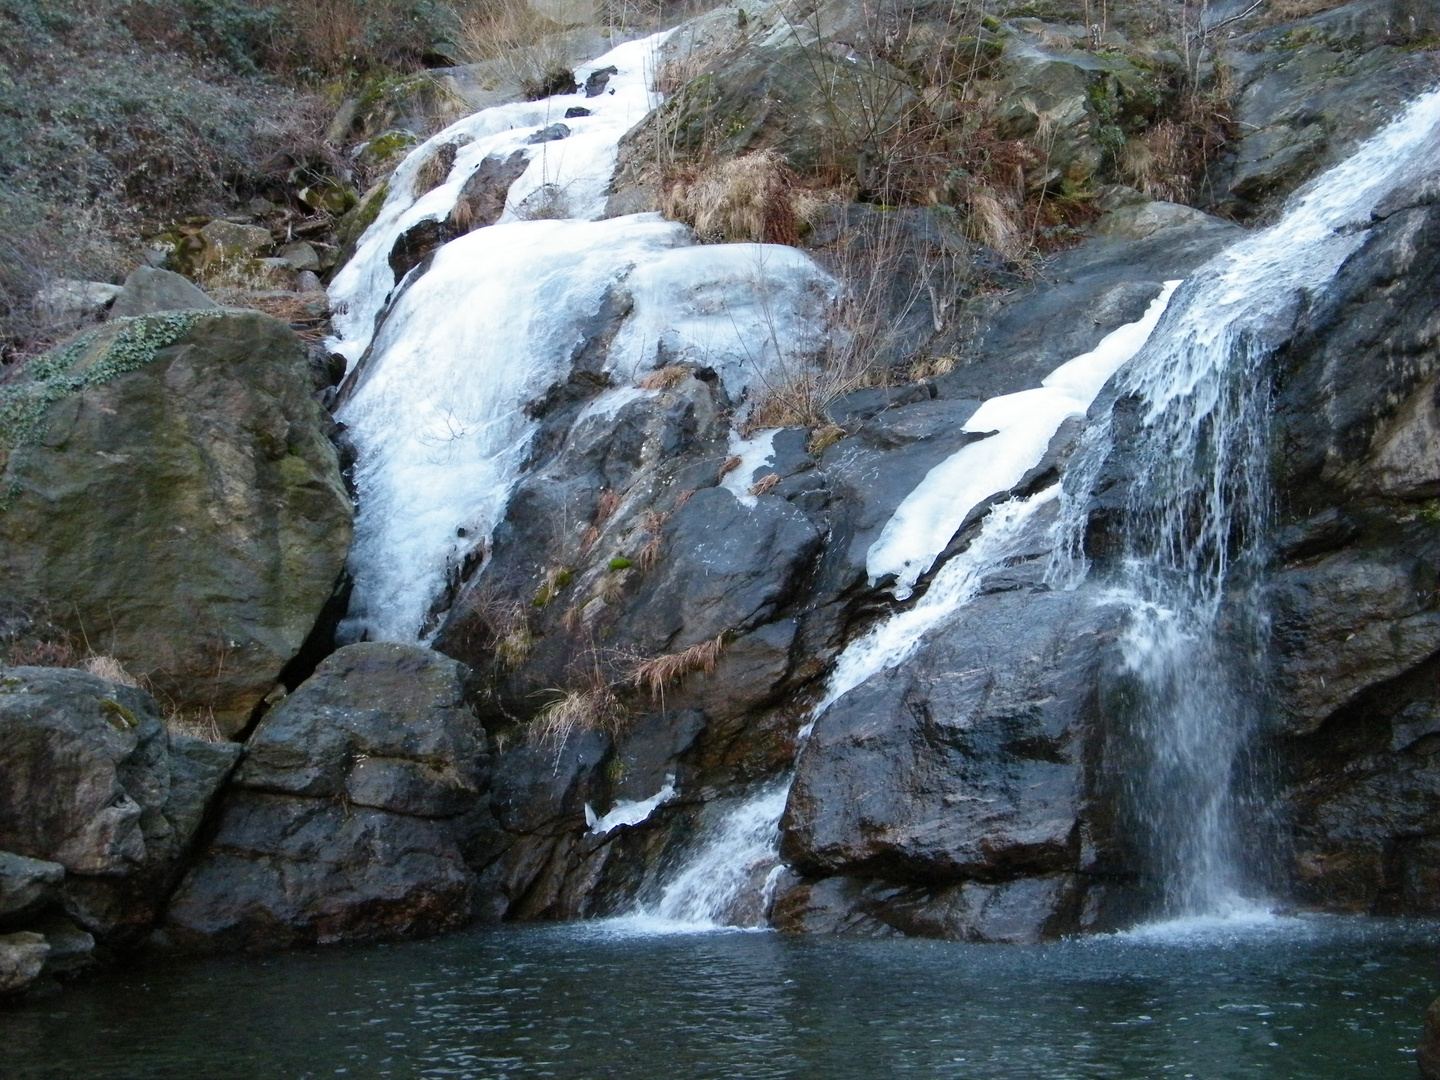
(1023, 425)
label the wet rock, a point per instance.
(71, 948)
(95, 784)
(951, 766)
(377, 725)
(148, 291)
(597, 80)
(550, 134)
(26, 886)
(482, 198)
(731, 567)
(1427, 1055)
(22, 958)
(1307, 91)
(283, 872)
(340, 824)
(173, 489)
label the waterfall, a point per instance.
(1195, 522)
(727, 877)
(1196, 513)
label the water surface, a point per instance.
(1304, 999)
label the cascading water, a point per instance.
(1193, 544)
(1193, 548)
(725, 880)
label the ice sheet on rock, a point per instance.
(574, 173)
(609, 404)
(629, 811)
(754, 454)
(1023, 425)
(756, 314)
(438, 415)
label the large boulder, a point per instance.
(952, 773)
(341, 823)
(169, 489)
(98, 802)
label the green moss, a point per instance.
(131, 344)
(1429, 512)
(121, 718)
(620, 563)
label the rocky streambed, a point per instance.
(619, 641)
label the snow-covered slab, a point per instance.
(1022, 425)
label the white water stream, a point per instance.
(1199, 511)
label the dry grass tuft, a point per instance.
(682, 499)
(658, 673)
(765, 484)
(747, 198)
(665, 378)
(729, 465)
(593, 709)
(605, 508)
(932, 367)
(992, 222)
(435, 169)
(649, 554)
(107, 667)
(823, 437)
(194, 723)
(652, 521)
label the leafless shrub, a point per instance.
(661, 671)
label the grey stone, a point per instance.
(26, 885)
(300, 256)
(66, 301)
(149, 290)
(22, 958)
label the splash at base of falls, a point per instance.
(727, 883)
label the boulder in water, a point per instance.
(341, 825)
(94, 783)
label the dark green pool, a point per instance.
(1329, 999)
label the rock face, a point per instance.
(1356, 626)
(170, 492)
(98, 804)
(1307, 91)
(341, 823)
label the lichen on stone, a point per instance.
(132, 344)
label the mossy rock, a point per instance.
(171, 494)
